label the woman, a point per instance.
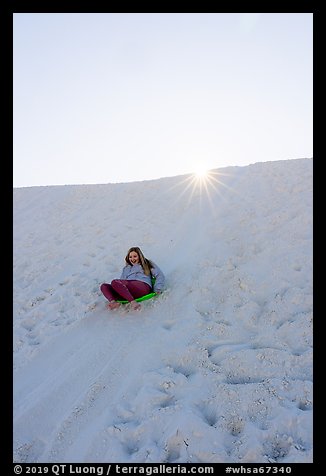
(135, 280)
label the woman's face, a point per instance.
(133, 257)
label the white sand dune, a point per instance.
(216, 369)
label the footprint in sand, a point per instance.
(168, 325)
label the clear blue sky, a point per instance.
(117, 97)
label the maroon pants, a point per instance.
(125, 289)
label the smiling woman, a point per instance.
(140, 279)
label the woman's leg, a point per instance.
(130, 290)
(109, 292)
(111, 295)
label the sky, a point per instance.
(217, 369)
(124, 97)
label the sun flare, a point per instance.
(201, 172)
(203, 184)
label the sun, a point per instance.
(201, 172)
(202, 183)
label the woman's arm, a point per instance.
(124, 273)
(159, 279)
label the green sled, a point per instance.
(142, 298)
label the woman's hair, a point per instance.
(147, 265)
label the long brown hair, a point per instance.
(145, 263)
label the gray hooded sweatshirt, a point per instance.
(137, 273)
